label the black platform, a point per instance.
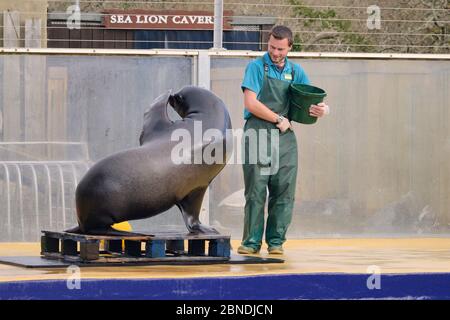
(62, 249)
(39, 262)
(129, 248)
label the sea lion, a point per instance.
(142, 182)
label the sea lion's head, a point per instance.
(193, 101)
(178, 103)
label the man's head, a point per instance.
(280, 43)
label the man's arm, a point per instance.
(318, 110)
(259, 110)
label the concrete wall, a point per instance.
(378, 164)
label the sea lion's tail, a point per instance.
(107, 231)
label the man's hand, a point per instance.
(319, 110)
(284, 125)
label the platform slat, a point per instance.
(158, 246)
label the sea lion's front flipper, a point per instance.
(156, 117)
(190, 208)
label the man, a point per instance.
(265, 86)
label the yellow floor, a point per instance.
(418, 255)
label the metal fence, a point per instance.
(59, 114)
(414, 26)
(377, 165)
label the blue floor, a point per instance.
(297, 286)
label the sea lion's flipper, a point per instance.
(74, 230)
(108, 231)
(156, 117)
(190, 208)
(158, 109)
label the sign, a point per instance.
(163, 20)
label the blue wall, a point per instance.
(317, 286)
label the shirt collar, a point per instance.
(287, 65)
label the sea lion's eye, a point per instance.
(176, 100)
(179, 98)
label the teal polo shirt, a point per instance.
(254, 75)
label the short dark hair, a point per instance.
(282, 32)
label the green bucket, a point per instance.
(301, 97)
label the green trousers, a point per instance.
(280, 185)
(273, 172)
